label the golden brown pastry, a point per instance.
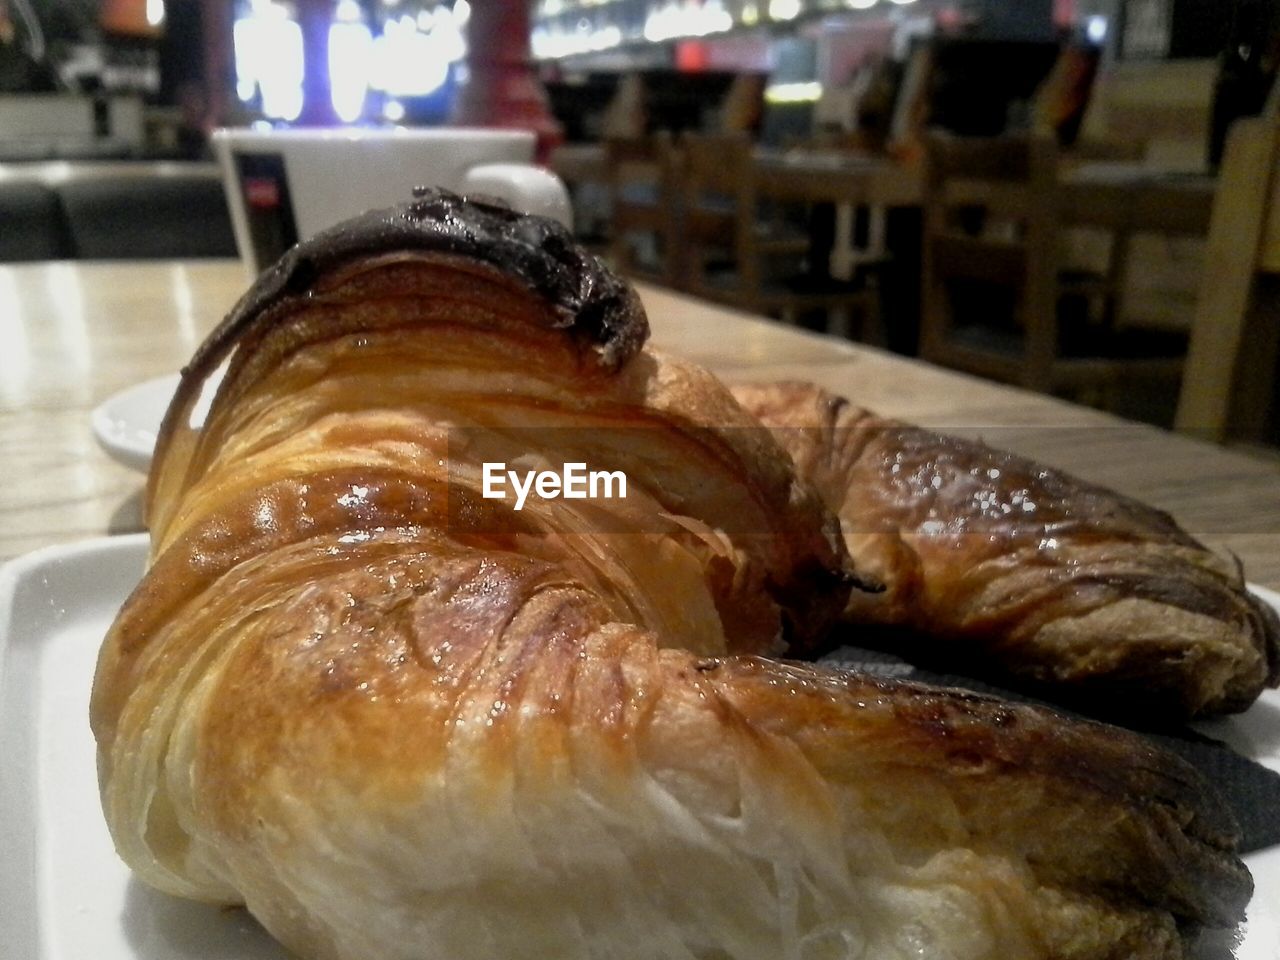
(994, 562)
(399, 720)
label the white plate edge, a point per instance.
(14, 572)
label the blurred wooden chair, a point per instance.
(997, 300)
(733, 255)
(1230, 388)
(640, 176)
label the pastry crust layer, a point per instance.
(397, 720)
(1000, 564)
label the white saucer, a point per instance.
(127, 423)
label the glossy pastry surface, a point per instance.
(994, 561)
(400, 720)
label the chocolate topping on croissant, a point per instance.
(593, 304)
(398, 719)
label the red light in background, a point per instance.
(691, 55)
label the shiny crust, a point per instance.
(596, 308)
(398, 720)
(998, 563)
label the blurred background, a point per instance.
(1024, 189)
(154, 74)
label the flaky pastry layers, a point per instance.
(998, 563)
(398, 720)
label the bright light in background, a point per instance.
(155, 12)
(784, 9)
(808, 92)
(350, 48)
(557, 42)
(410, 58)
(902, 2)
(447, 33)
(674, 20)
(1095, 28)
(393, 110)
(861, 4)
(715, 18)
(663, 22)
(269, 59)
(409, 63)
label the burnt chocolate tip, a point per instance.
(593, 303)
(590, 303)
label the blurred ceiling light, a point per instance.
(902, 3)
(784, 9)
(556, 42)
(750, 14)
(663, 23)
(448, 38)
(461, 12)
(406, 62)
(691, 19)
(1095, 28)
(861, 4)
(393, 110)
(808, 92)
(269, 59)
(715, 18)
(350, 49)
(155, 12)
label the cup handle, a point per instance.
(527, 188)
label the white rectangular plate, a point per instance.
(64, 895)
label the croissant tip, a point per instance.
(600, 310)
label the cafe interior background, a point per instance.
(807, 160)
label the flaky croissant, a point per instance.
(397, 719)
(997, 563)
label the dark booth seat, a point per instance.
(140, 218)
(32, 226)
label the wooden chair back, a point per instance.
(718, 205)
(990, 218)
(721, 218)
(641, 180)
(1229, 384)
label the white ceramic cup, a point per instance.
(287, 185)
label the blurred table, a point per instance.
(1137, 199)
(1117, 195)
(823, 176)
(1112, 195)
(71, 334)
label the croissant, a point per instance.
(397, 718)
(998, 563)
